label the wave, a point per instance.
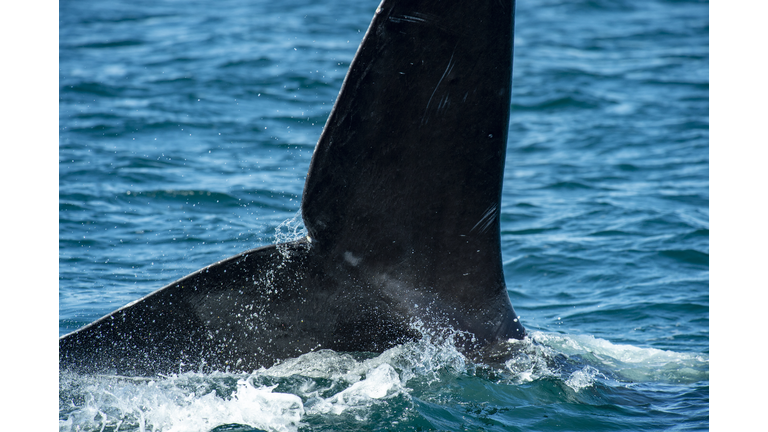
(321, 386)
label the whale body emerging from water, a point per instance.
(401, 205)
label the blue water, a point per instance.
(186, 130)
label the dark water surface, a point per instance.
(186, 130)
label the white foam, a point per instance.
(582, 378)
(380, 383)
(197, 402)
(626, 362)
(170, 405)
(249, 405)
(329, 383)
(325, 364)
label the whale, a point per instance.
(401, 207)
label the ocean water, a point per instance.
(186, 130)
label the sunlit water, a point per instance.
(186, 133)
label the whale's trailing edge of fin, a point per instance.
(401, 202)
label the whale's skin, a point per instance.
(401, 205)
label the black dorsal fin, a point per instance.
(407, 174)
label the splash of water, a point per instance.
(290, 229)
(326, 383)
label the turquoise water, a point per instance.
(186, 131)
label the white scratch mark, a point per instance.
(407, 18)
(447, 71)
(487, 220)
